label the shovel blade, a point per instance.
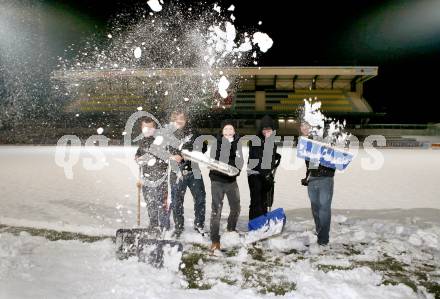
(127, 240)
(144, 244)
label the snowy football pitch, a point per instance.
(377, 248)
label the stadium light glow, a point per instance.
(415, 24)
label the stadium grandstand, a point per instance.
(91, 99)
(278, 91)
(109, 97)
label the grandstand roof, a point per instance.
(348, 74)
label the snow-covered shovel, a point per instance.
(272, 223)
(211, 163)
(147, 244)
(266, 226)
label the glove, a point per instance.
(269, 178)
(139, 184)
(268, 181)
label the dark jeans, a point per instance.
(155, 198)
(218, 190)
(320, 191)
(178, 190)
(258, 205)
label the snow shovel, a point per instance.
(266, 226)
(145, 243)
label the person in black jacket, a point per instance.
(227, 150)
(154, 177)
(261, 176)
(320, 183)
(184, 177)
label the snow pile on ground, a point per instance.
(33, 267)
(366, 258)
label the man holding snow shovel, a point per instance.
(261, 174)
(153, 179)
(184, 177)
(320, 183)
(148, 244)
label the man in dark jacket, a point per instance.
(227, 150)
(320, 184)
(260, 177)
(184, 177)
(154, 177)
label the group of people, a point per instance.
(170, 174)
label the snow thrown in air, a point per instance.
(324, 128)
(175, 38)
(154, 5)
(263, 41)
(223, 85)
(137, 52)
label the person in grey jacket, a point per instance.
(154, 182)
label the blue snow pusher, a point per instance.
(265, 220)
(323, 154)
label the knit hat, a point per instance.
(267, 122)
(227, 122)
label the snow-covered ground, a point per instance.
(35, 192)
(366, 258)
(369, 229)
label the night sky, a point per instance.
(402, 38)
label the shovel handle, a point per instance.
(139, 199)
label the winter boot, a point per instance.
(177, 233)
(215, 247)
(200, 230)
